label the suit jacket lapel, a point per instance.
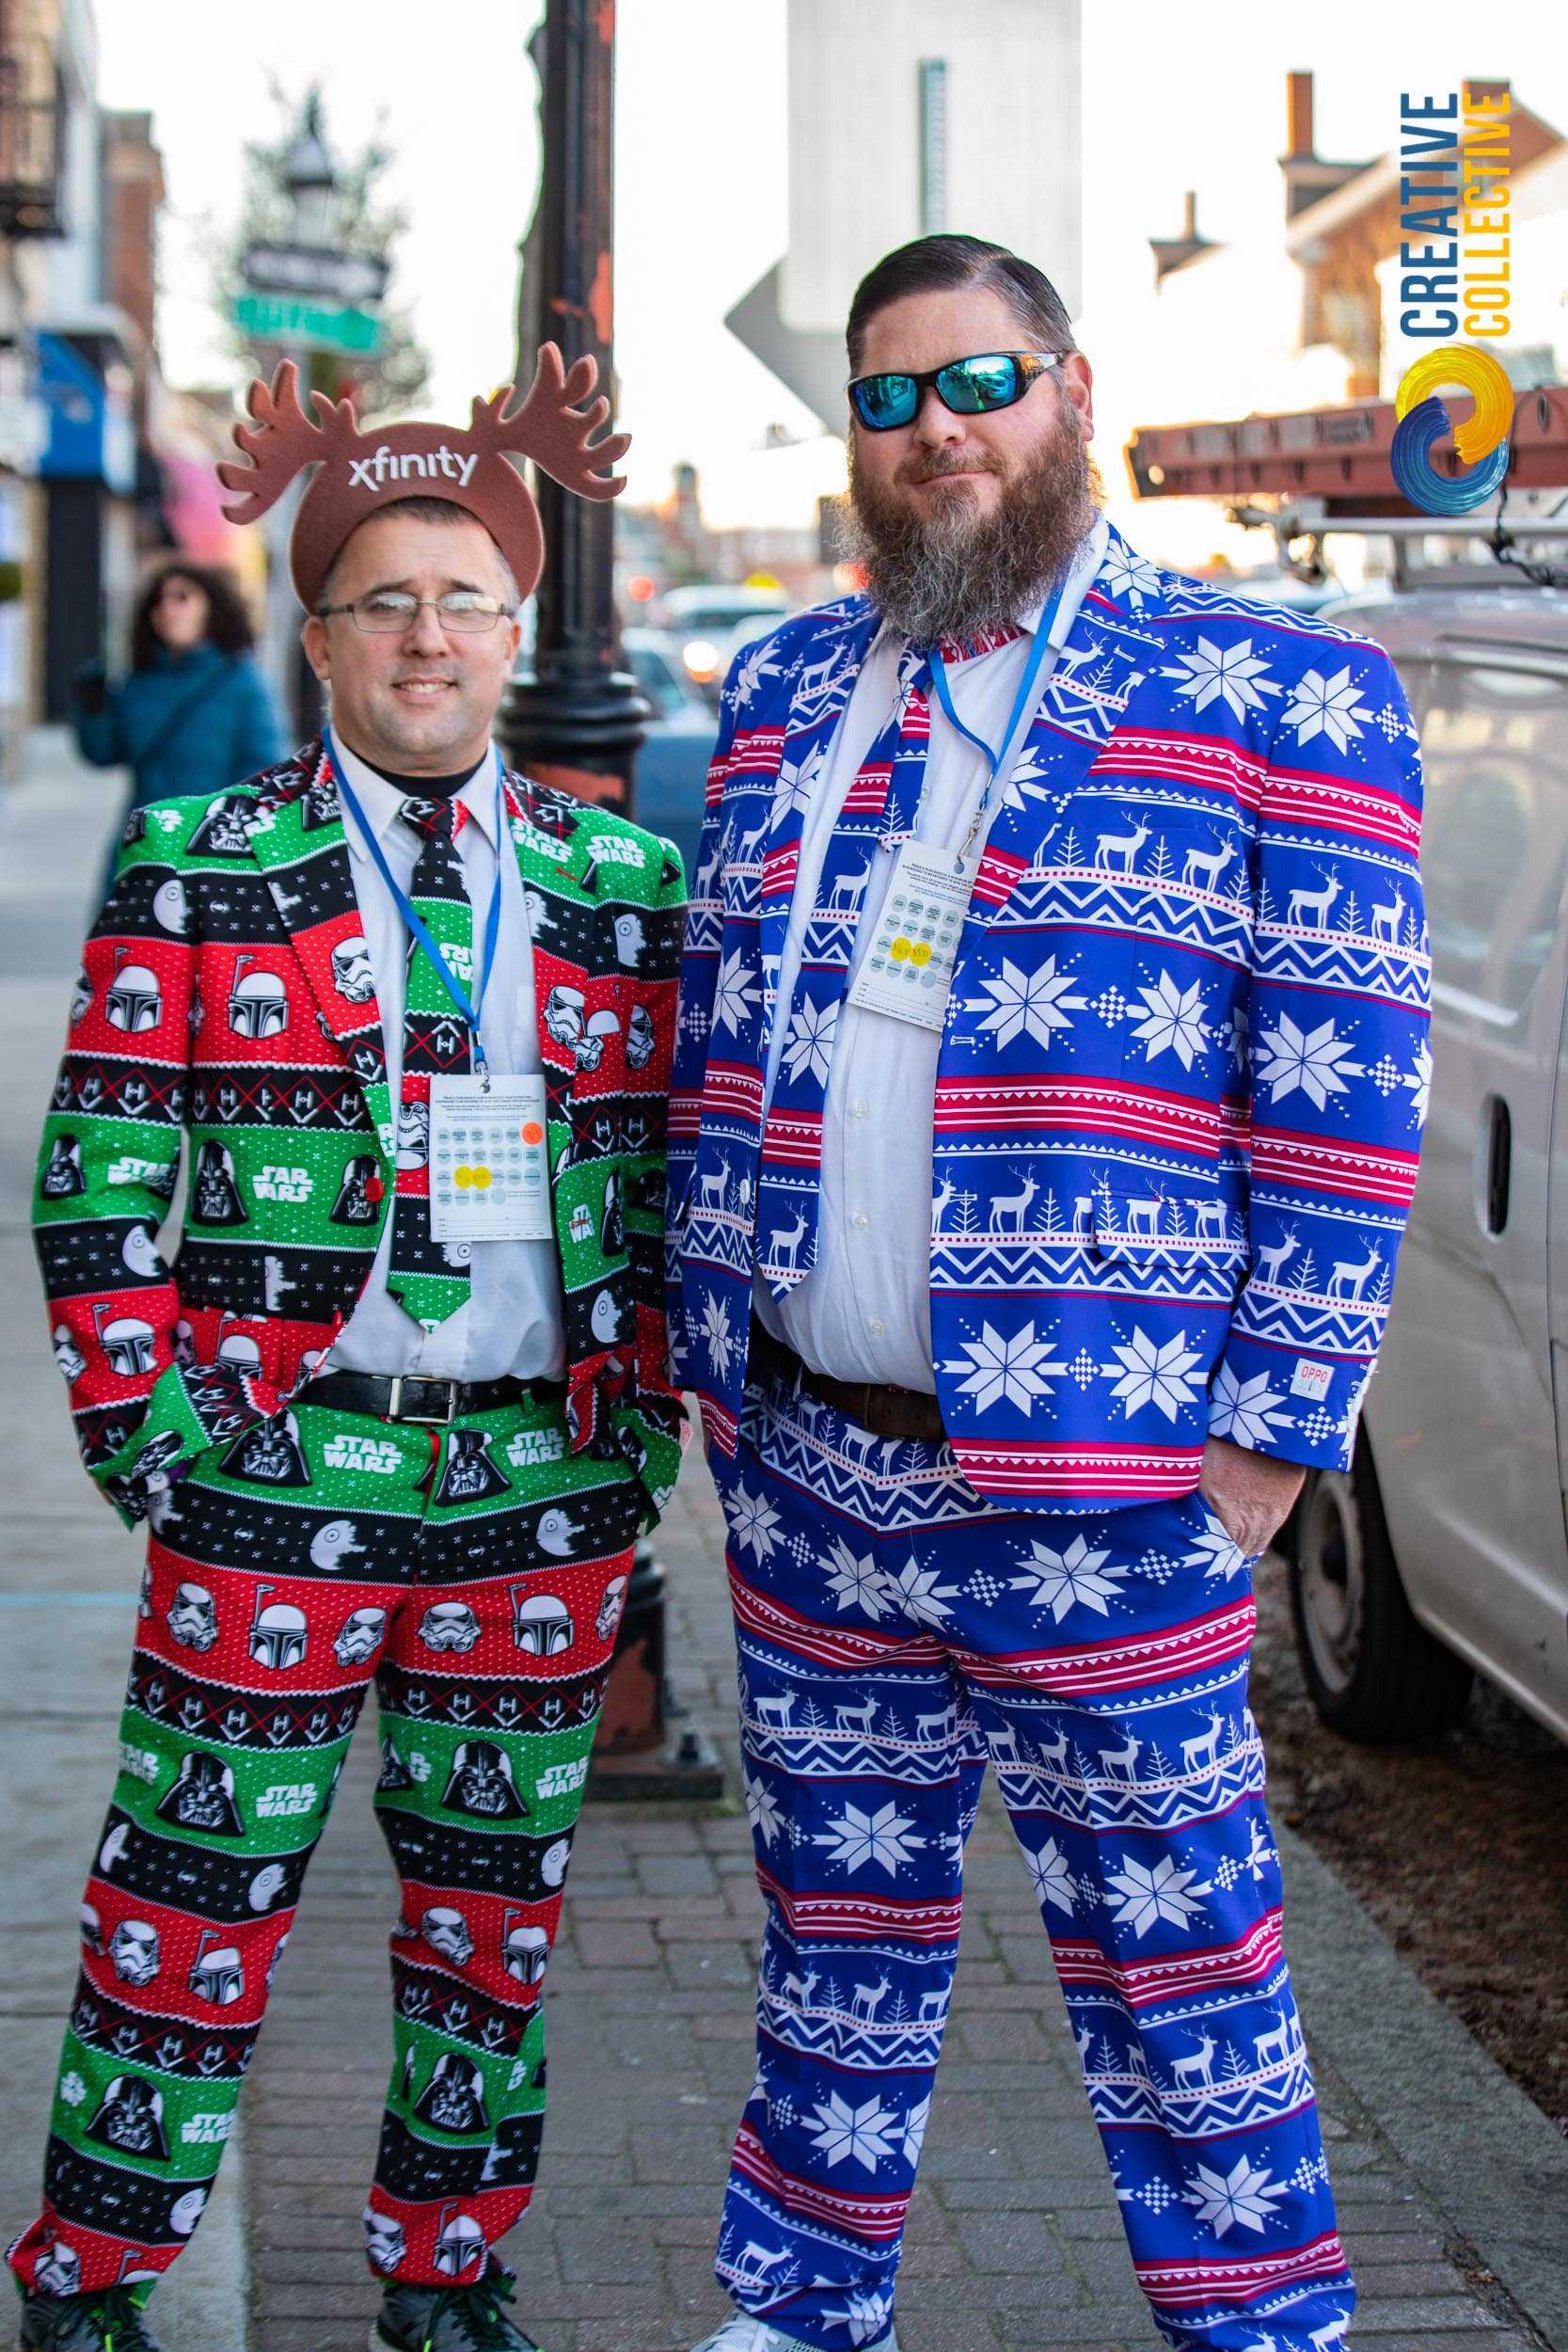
(818, 700)
(1106, 657)
(297, 839)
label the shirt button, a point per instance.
(861, 1222)
(876, 1327)
(860, 1108)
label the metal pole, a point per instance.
(578, 721)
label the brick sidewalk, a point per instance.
(1015, 2243)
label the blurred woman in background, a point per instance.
(195, 713)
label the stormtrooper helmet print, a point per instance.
(413, 1146)
(359, 1637)
(448, 1625)
(386, 2243)
(59, 2269)
(639, 1037)
(563, 1015)
(68, 1356)
(446, 1932)
(81, 995)
(610, 1606)
(352, 975)
(134, 1949)
(192, 1620)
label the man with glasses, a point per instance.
(402, 1398)
(1036, 1038)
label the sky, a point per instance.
(1169, 102)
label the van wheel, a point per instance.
(1375, 1673)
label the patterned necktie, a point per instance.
(880, 804)
(430, 1277)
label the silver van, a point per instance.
(1445, 1549)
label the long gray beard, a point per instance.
(957, 572)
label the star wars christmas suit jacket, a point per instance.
(225, 989)
(1181, 1088)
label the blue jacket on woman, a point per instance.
(195, 722)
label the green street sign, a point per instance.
(280, 319)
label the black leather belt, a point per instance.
(886, 1411)
(409, 1396)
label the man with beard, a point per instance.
(1013, 1034)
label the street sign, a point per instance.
(319, 273)
(277, 319)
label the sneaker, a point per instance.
(449, 2319)
(745, 2335)
(107, 2322)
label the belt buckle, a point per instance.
(426, 1421)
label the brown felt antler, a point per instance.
(282, 442)
(551, 429)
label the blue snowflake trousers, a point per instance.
(895, 1633)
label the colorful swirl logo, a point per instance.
(1482, 440)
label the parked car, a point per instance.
(705, 619)
(1444, 1551)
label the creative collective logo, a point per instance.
(1454, 278)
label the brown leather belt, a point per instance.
(886, 1411)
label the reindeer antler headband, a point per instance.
(361, 473)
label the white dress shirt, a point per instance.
(864, 1313)
(513, 1322)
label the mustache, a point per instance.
(933, 469)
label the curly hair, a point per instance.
(229, 625)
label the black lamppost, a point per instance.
(579, 720)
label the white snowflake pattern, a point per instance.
(861, 2133)
(1028, 1002)
(1247, 1411)
(1052, 1878)
(753, 1522)
(1231, 673)
(1242, 2199)
(1166, 1892)
(1125, 572)
(1073, 1579)
(754, 669)
(73, 2088)
(809, 1044)
(887, 1837)
(1215, 1552)
(762, 1810)
(1286, 1058)
(863, 2314)
(923, 1599)
(735, 992)
(1173, 1020)
(797, 782)
(857, 1584)
(913, 2133)
(1147, 1372)
(1030, 780)
(717, 1334)
(1017, 1370)
(1326, 706)
(1419, 1083)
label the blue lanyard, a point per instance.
(1023, 709)
(430, 946)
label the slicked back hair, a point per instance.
(937, 264)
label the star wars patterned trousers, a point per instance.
(476, 1574)
(896, 1632)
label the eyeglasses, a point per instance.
(970, 387)
(388, 612)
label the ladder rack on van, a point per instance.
(1328, 471)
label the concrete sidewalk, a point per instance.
(1454, 2189)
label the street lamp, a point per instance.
(311, 178)
(579, 720)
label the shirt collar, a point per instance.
(382, 802)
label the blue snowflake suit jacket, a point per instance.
(1181, 1090)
